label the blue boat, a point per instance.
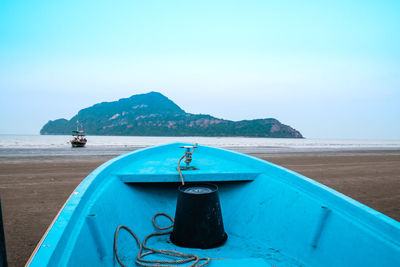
(271, 216)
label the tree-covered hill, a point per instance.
(153, 114)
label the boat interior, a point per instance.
(272, 216)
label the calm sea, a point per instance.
(37, 145)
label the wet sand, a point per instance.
(33, 189)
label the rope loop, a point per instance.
(165, 215)
(182, 258)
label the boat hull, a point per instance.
(272, 216)
(78, 143)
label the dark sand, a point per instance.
(33, 189)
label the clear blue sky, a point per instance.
(331, 69)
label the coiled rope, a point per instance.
(185, 258)
(188, 158)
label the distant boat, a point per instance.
(79, 139)
(271, 216)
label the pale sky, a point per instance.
(330, 69)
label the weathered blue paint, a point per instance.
(276, 218)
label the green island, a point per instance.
(153, 114)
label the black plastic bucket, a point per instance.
(198, 219)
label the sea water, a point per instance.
(47, 145)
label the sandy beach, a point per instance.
(33, 189)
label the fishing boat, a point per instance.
(266, 216)
(79, 139)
